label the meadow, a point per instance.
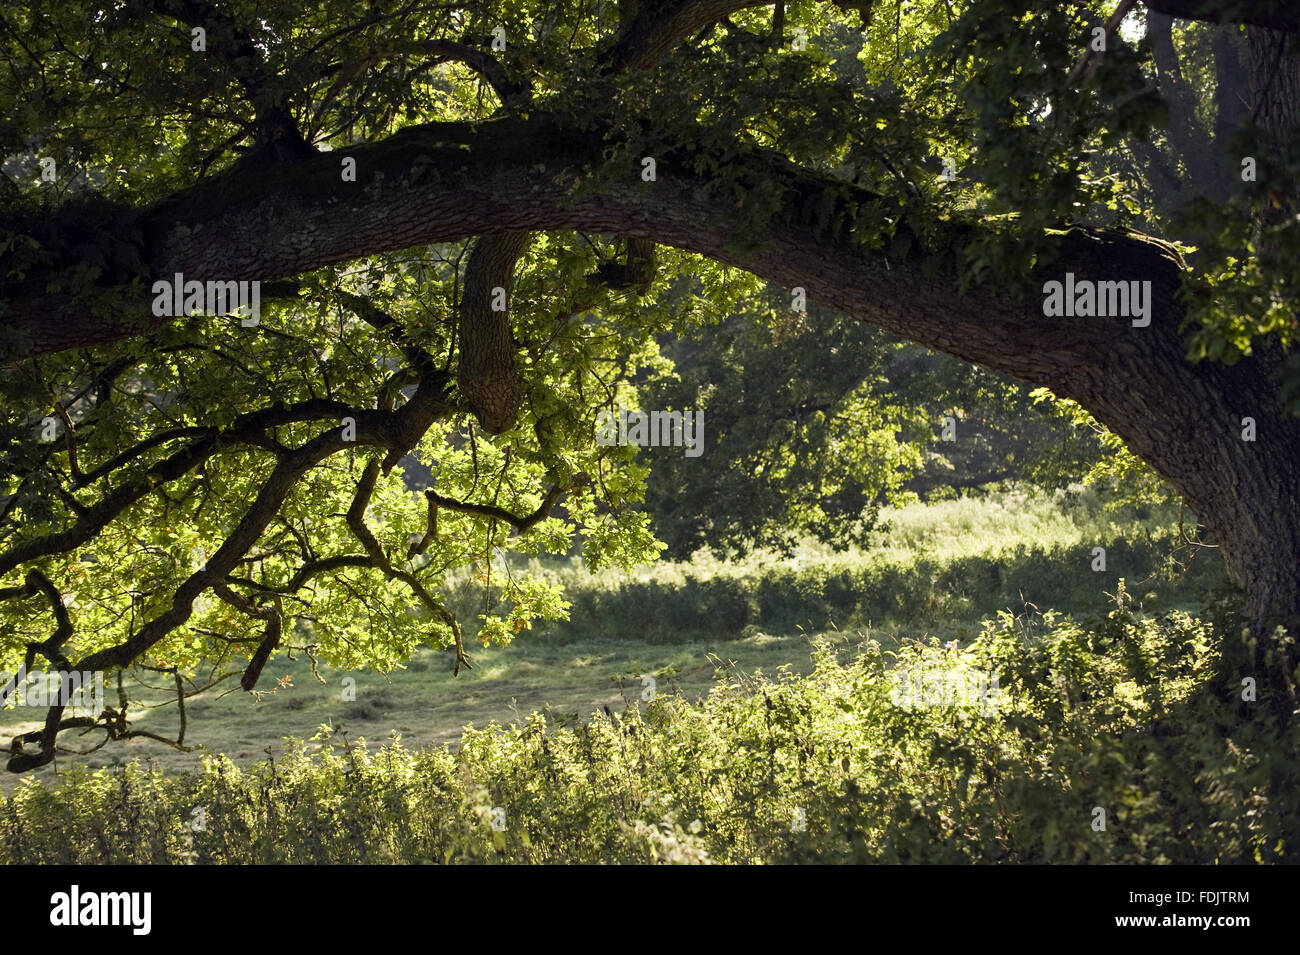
(774, 725)
(934, 570)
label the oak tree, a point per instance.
(469, 220)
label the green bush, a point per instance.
(1122, 713)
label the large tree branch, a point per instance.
(515, 175)
(1278, 14)
(35, 583)
(659, 25)
(445, 183)
(487, 374)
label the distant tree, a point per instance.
(815, 420)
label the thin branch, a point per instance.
(522, 525)
(1088, 61)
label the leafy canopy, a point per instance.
(205, 440)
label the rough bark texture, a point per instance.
(488, 377)
(1275, 79)
(1275, 97)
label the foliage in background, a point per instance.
(932, 566)
(813, 422)
(802, 435)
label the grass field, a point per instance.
(940, 568)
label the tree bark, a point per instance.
(487, 374)
(1275, 98)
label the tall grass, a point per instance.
(945, 562)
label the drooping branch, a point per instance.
(397, 431)
(356, 516)
(35, 583)
(659, 25)
(21, 761)
(112, 721)
(70, 440)
(356, 520)
(430, 532)
(488, 376)
(270, 640)
(521, 524)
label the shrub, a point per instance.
(1120, 712)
